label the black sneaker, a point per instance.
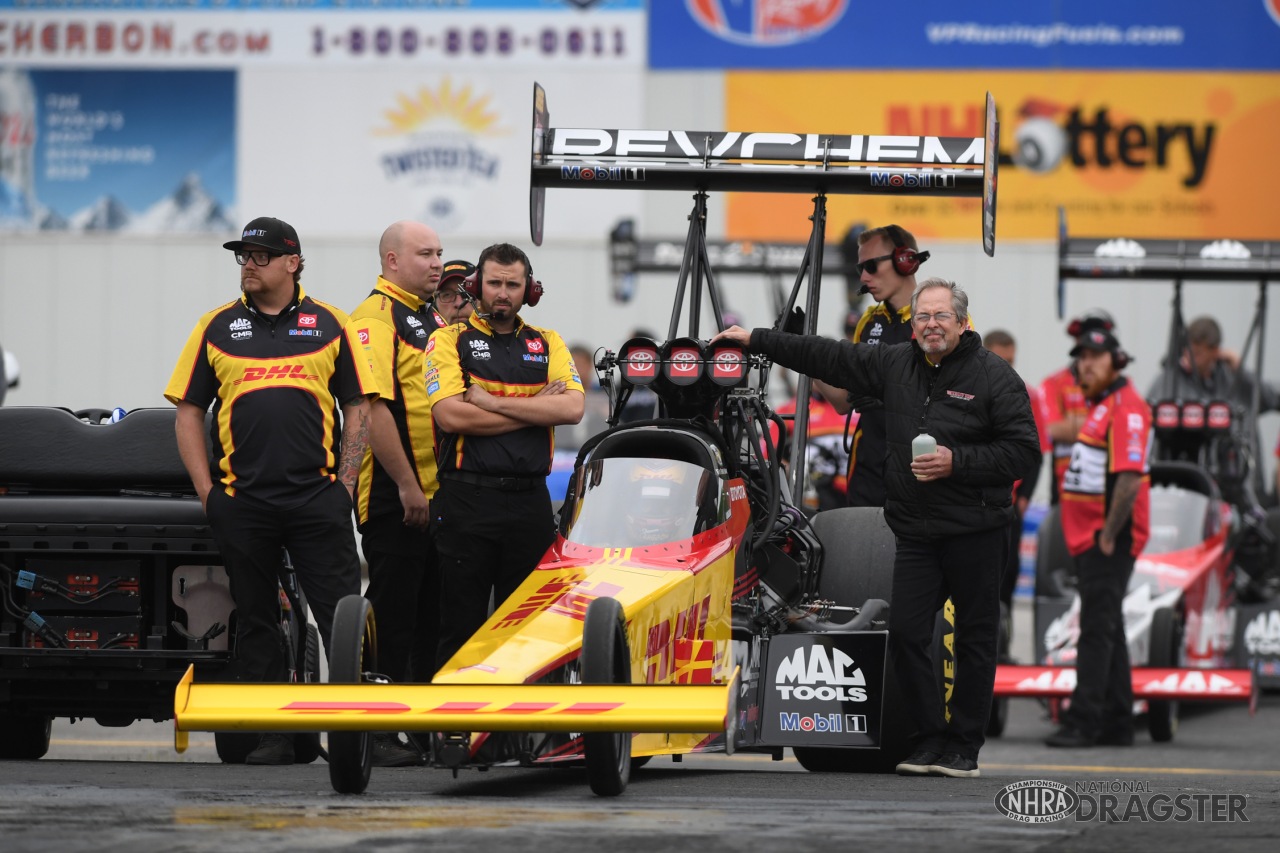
(273, 748)
(1069, 737)
(918, 763)
(389, 751)
(955, 766)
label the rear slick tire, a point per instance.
(353, 651)
(606, 660)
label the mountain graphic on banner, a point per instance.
(189, 209)
(105, 214)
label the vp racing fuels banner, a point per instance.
(1144, 154)
(849, 34)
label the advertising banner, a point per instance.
(128, 151)
(356, 150)
(350, 33)
(848, 34)
(1169, 154)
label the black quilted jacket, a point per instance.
(972, 403)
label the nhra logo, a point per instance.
(1262, 635)
(822, 677)
(766, 23)
(833, 723)
(307, 320)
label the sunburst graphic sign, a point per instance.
(440, 144)
(446, 105)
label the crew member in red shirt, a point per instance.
(1105, 509)
(1064, 405)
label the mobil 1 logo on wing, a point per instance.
(823, 689)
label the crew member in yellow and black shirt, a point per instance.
(452, 304)
(276, 364)
(498, 389)
(394, 324)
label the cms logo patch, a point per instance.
(766, 23)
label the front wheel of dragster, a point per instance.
(606, 660)
(306, 745)
(353, 651)
(1166, 652)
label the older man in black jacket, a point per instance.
(949, 509)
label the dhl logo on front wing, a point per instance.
(453, 708)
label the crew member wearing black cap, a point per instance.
(498, 388)
(398, 473)
(452, 303)
(1105, 506)
(276, 365)
(1064, 404)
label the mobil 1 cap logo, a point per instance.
(823, 689)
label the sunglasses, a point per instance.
(870, 265)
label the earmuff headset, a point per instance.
(906, 260)
(1096, 319)
(533, 289)
(1120, 359)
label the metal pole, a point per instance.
(800, 434)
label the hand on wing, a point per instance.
(932, 466)
(736, 334)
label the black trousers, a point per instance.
(488, 541)
(322, 546)
(966, 568)
(1103, 699)
(404, 589)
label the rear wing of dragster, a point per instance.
(630, 254)
(1162, 260)
(816, 164)
(1177, 261)
(820, 163)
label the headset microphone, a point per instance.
(864, 289)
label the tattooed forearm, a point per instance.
(355, 439)
(1123, 497)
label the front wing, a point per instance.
(683, 708)
(1182, 685)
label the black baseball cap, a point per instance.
(456, 270)
(267, 232)
(1098, 340)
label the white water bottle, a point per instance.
(922, 444)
